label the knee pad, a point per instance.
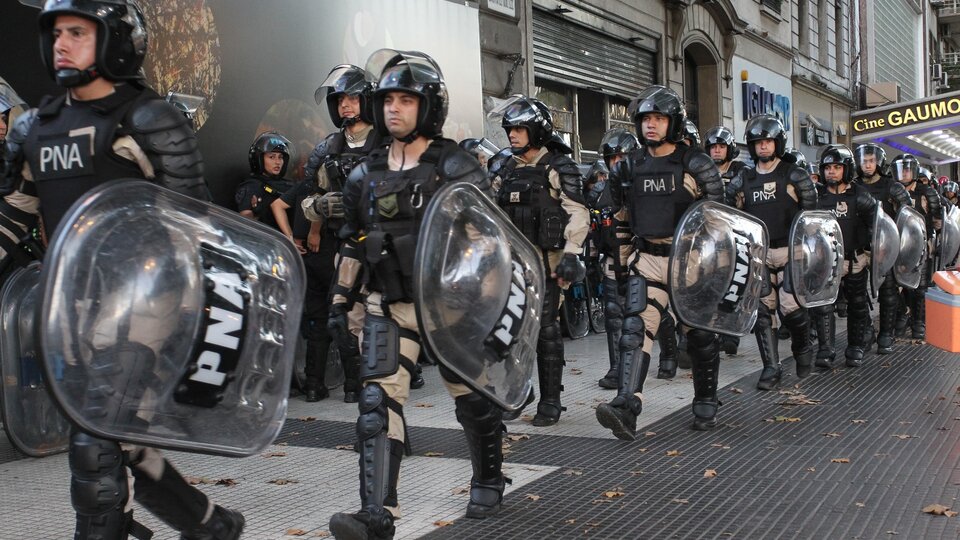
(635, 296)
(478, 414)
(373, 418)
(701, 339)
(99, 477)
(380, 355)
(633, 333)
(764, 318)
(550, 340)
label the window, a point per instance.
(773, 5)
(838, 37)
(823, 34)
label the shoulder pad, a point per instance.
(322, 150)
(156, 115)
(167, 138)
(457, 164)
(21, 127)
(563, 164)
(358, 172)
(696, 161)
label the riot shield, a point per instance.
(32, 420)
(884, 249)
(717, 267)
(170, 322)
(815, 258)
(479, 288)
(910, 262)
(949, 238)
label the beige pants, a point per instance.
(777, 258)
(860, 263)
(655, 270)
(397, 385)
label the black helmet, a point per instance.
(691, 132)
(617, 141)
(269, 141)
(415, 73)
(765, 126)
(346, 79)
(903, 164)
(792, 155)
(924, 173)
(478, 147)
(870, 149)
(659, 99)
(496, 164)
(722, 135)
(950, 186)
(121, 39)
(531, 114)
(837, 154)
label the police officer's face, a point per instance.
(613, 160)
(272, 163)
(765, 147)
(718, 152)
(3, 126)
(655, 126)
(74, 42)
(400, 113)
(868, 164)
(833, 172)
(518, 137)
(348, 106)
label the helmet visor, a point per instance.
(422, 68)
(905, 172)
(344, 79)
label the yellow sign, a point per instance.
(868, 121)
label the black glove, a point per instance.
(330, 205)
(571, 268)
(339, 328)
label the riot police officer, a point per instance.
(481, 148)
(872, 175)
(775, 191)
(656, 184)
(855, 210)
(268, 157)
(949, 192)
(384, 200)
(721, 146)
(916, 179)
(691, 135)
(542, 192)
(112, 126)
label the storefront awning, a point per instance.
(928, 128)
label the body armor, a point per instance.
(766, 197)
(656, 198)
(844, 206)
(525, 197)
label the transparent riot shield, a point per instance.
(31, 418)
(884, 249)
(815, 258)
(479, 288)
(913, 247)
(170, 322)
(717, 268)
(949, 238)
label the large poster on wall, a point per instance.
(258, 63)
(759, 90)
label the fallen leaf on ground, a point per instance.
(840, 460)
(720, 446)
(576, 371)
(938, 510)
(569, 521)
(442, 523)
(832, 434)
(526, 418)
(859, 505)
(785, 419)
(859, 421)
(573, 472)
(642, 450)
(894, 533)
(504, 445)
(532, 497)
(904, 423)
(649, 433)
(344, 447)
(904, 436)
(433, 454)
(736, 390)
(277, 454)
(423, 405)
(321, 534)
(811, 469)
(613, 494)
(460, 490)
(307, 418)
(943, 429)
(681, 501)
(710, 473)
(636, 473)
(795, 401)
(295, 532)
(229, 482)
(518, 437)
(673, 453)
(283, 481)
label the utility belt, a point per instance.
(389, 260)
(657, 250)
(544, 227)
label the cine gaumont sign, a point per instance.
(906, 115)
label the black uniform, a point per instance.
(264, 189)
(892, 196)
(926, 200)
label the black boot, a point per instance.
(767, 345)
(180, 505)
(350, 357)
(483, 428)
(550, 370)
(683, 358)
(903, 318)
(918, 327)
(888, 299)
(620, 415)
(98, 488)
(613, 321)
(858, 317)
(377, 481)
(798, 323)
(667, 337)
(826, 335)
(729, 345)
(318, 348)
(705, 354)
(416, 378)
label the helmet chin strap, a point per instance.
(520, 151)
(718, 161)
(653, 144)
(409, 138)
(349, 121)
(766, 159)
(72, 77)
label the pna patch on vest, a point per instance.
(656, 183)
(62, 157)
(215, 358)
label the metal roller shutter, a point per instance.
(574, 55)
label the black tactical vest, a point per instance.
(70, 148)
(657, 198)
(765, 197)
(844, 207)
(525, 197)
(880, 190)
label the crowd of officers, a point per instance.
(355, 219)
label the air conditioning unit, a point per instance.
(936, 71)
